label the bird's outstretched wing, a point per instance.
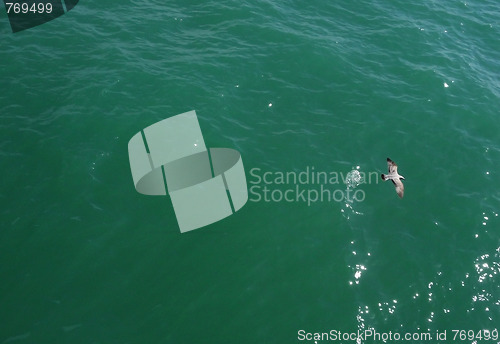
(391, 165)
(400, 188)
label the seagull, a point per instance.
(395, 177)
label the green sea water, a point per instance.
(293, 86)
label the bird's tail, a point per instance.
(383, 176)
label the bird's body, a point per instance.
(395, 177)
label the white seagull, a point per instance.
(395, 177)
